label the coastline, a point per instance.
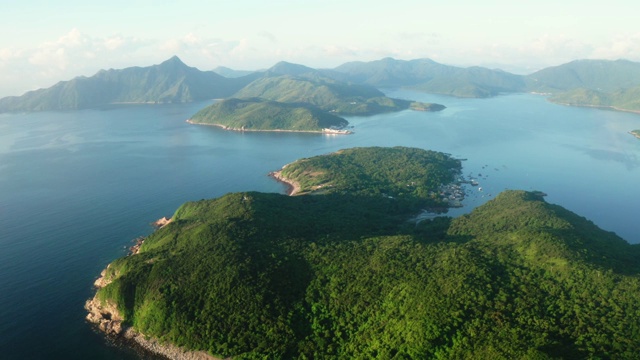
(224, 127)
(603, 107)
(106, 317)
(293, 186)
(635, 134)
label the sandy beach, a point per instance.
(294, 187)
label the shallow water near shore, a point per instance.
(77, 187)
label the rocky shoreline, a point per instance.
(106, 317)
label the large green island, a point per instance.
(301, 103)
(264, 115)
(340, 272)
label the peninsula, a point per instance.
(399, 173)
(339, 271)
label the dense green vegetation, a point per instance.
(253, 275)
(625, 99)
(327, 94)
(257, 114)
(614, 84)
(601, 75)
(401, 173)
(600, 83)
(169, 82)
(295, 94)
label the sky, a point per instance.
(43, 42)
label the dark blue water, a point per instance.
(77, 187)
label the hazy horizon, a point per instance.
(56, 42)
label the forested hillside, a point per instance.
(340, 275)
(327, 94)
(256, 114)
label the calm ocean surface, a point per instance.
(77, 187)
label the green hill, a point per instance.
(252, 275)
(600, 75)
(599, 83)
(626, 99)
(404, 174)
(264, 115)
(169, 82)
(287, 68)
(349, 89)
(327, 94)
(429, 76)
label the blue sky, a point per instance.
(44, 42)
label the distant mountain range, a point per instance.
(231, 73)
(292, 97)
(583, 82)
(291, 83)
(431, 77)
(169, 82)
(599, 83)
(599, 75)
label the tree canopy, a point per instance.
(345, 275)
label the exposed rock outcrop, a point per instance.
(105, 316)
(162, 222)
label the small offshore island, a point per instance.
(339, 271)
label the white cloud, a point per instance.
(269, 36)
(76, 53)
(341, 51)
(70, 55)
(72, 39)
(558, 47)
(622, 47)
(113, 43)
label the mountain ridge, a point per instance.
(168, 82)
(174, 81)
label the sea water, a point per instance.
(77, 187)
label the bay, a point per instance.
(77, 187)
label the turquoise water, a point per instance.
(77, 187)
